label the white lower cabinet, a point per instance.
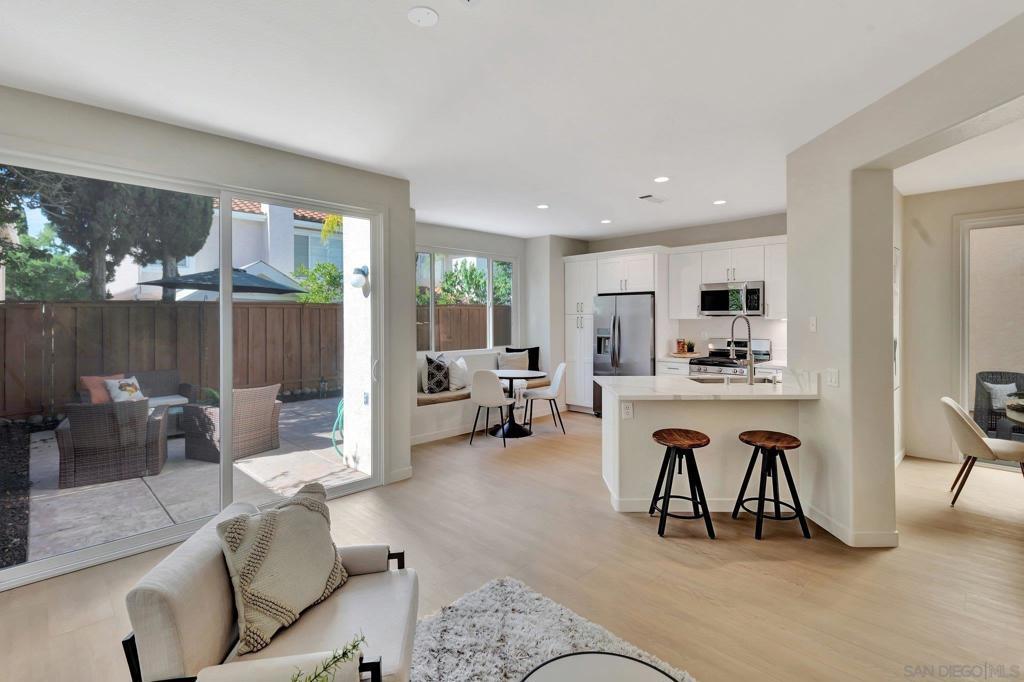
(672, 368)
(579, 360)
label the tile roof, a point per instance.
(255, 207)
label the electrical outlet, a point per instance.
(812, 324)
(627, 410)
(832, 377)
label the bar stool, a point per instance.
(679, 445)
(772, 446)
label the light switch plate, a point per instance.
(812, 324)
(832, 377)
(627, 410)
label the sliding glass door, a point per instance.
(126, 313)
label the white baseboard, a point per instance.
(399, 475)
(844, 534)
(899, 456)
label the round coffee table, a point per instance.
(596, 666)
(511, 428)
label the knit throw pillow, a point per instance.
(437, 375)
(281, 561)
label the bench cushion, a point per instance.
(380, 605)
(423, 399)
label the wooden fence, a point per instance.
(45, 347)
(462, 327)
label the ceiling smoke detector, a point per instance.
(652, 198)
(424, 17)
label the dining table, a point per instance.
(510, 427)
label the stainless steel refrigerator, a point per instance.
(623, 337)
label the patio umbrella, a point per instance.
(242, 282)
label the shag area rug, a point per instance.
(504, 630)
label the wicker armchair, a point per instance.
(992, 421)
(255, 416)
(111, 442)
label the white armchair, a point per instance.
(973, 444)
(184, 623)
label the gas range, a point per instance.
(717, 361)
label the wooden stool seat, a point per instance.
(770, 440)
(684, 439)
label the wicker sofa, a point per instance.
(164, 388)
(992, 421)
(111, 442)
(255, 416)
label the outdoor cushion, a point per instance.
(182, 611)
(124, 389)
(168, 400)
(443, 397)
(281, 562)
(1000, 394)
(380, 605)
(96, 388)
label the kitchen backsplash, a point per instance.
(699, 331)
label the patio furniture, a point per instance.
(111, 442)
(991, 420)
(184, 621)
(163, 387)
(255, 416)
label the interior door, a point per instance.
(714, 266)
(748, 264)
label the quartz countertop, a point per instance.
(791, 387)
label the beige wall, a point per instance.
(840, 240)
(931, 273)
(763, 226)
(64, 136)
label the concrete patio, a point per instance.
(74, 518)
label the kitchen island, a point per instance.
(636, 407)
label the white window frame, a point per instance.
(515, 340)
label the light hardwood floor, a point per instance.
(729, 609)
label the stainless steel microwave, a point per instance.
(732, 298)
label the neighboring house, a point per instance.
(274, 240)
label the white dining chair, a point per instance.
(973, 444)
(548, 393)
(486, 392)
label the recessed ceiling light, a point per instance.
(718, 202)
(543, 206)
(605, 222)
(661, 178)
(424, 17)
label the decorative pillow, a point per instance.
(281, 561)
(124, 390)
(96, 389)
(458, 374)
(423, 370)
(519, 360)
(437, 375)
(534, 354)
(1000, 393)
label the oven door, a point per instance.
(722, 299)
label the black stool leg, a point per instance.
(774, 473)
(698, 492)
(766, 456)
(691, 479)
(665, 461)
(746, 480)
(796, 498)
(668, 493)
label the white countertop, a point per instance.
(683, 388)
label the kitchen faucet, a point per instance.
(750, 350)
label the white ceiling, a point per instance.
(506, 104)
(997, 156)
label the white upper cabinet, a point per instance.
(625, 273)
(742, 264)
(684, 279)
(580, 286)
(775, 281)
(639, 272)
(716, 266)
(747, 264)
